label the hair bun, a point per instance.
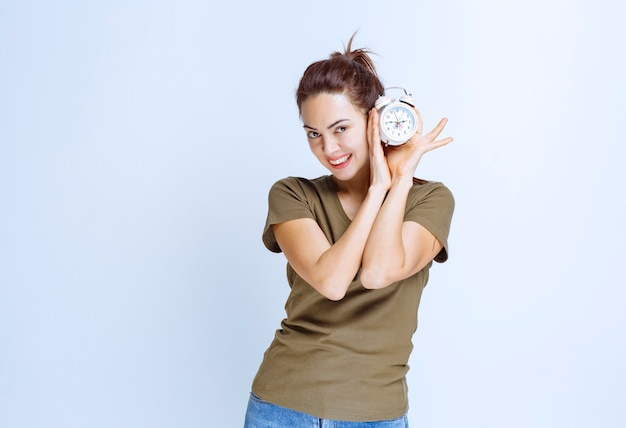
(351, 72)
(360, 56)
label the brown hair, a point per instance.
(351, 73)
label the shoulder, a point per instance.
(293, 182)
(301, 188)
(423, 190)
(292, 198)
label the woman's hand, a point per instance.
(380, 174)
(402, 160)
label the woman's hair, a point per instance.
(351, 73)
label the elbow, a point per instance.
(374, 279)
(334, 295)
(331, 291)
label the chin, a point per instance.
(345, 176)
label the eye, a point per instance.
(313, 134)
(341, 129)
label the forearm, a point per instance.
(384, 256)
(336, 268)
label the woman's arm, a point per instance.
(330, 269)
(397, 249)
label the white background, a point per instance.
(138, 140)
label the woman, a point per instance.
(359, 244)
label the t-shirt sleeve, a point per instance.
(286, 201)
(432, 205)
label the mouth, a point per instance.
(340, 162)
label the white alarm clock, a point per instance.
(398, 120)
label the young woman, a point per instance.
(359, 244)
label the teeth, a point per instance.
(340, 160)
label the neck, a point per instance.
(356, 187)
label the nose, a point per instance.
(331, 146)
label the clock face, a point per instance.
(398, 123)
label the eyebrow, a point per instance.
(328, 127)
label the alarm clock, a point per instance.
(398, 120)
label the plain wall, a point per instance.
(138, 140)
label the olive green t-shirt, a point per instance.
(346, 359)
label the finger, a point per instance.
(436, 144)
(443, 141)
(371, 120)
(374, 129)
(437, 129)
(374, 122)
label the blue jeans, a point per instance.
(261, 414)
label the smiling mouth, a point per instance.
(341, 160)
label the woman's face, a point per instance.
(336, 131)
